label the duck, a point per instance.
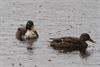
(27, 33)
(70, 44)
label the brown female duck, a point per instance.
(27, 32)
(72, 43)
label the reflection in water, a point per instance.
(30, 43)
(30, 52)
(30, 46)
(85, 55)
(82, 55)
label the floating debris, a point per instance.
(20, 64)
(49, 60)
(40, 5)
(13, 64)
(67, 29)
(71, 26)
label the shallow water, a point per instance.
(52, 18)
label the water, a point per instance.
(52, 18)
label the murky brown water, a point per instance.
(52, 18)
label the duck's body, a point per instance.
(27, 33)
(66, 39)
(30, 34)
(71, 43)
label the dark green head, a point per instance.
(29, 24)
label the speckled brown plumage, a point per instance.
(71, 43)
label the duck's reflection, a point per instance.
(30, 44)
(82, 55)
(85, 55)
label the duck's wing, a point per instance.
(20, 33)
(37, 35)
(23, 30)
(71, 39)
(56, 39)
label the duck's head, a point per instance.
(29, 24)
(86, 37)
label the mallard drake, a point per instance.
(72, 43)
(27, 33)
